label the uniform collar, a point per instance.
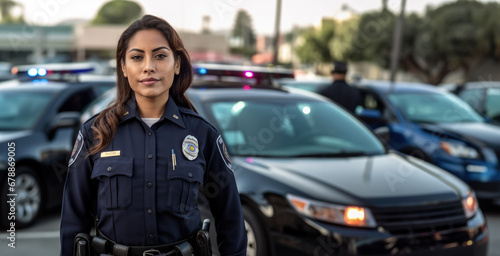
(170, 113)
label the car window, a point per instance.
(434, 108)
(473, 97)
(291, 129)
(22, 109)
(492, 106)
(77, 101)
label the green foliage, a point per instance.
(244, 51)
(454, 36)
(316, 43)
(243, 29)
(372, 40)
(6, 7)
(118, 12)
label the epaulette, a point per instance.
(191, 112)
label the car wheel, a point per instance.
(257, 244)
(28, 198)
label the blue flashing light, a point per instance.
(202, 71)
(42, 72)
(32, 72)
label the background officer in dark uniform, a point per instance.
(341, 92)
(136, 168)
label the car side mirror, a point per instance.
(383, 133)
(63, 120)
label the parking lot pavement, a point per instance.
(41, 239)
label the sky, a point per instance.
(188, 14)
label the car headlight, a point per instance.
(470, 204)
(337, 214)
(459, 150)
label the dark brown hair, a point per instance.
(107, 121)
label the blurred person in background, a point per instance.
(137, 167)
(339, 91)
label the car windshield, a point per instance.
(493, 104)
(21, 109)
(434, 108)
(292, 129)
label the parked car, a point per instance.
(314, 180)
(39, 121)
(436, 126)
(483, 96)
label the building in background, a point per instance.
(21, 44)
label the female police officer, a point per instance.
(137, 166)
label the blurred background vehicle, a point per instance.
(438, 127)
(483, 96)
(40, 114)
(5, 71)
(315, 180)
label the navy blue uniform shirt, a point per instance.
(146, 183)
(345, 95)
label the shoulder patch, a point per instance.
(77, 148)
(223, 152)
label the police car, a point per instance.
(40, 115)
(314, 180)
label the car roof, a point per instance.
(45, 85)
(397, 87)
(481, 84)
(232, 93)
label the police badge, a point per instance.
(190, 147)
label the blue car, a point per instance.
(428, 123)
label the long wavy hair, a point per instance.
(106, 123)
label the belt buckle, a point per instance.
(151, 252)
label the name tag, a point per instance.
(110, 153)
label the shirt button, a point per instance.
(150, 156)
(190, 175)
(150, 211)
(151, 236)
(150, 184)
(150, 134)
(109, 169)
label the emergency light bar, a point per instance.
(258, 73)
(42, 70)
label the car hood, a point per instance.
(480, 133)
(10, 136)
(374, 180)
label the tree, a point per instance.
(119, 12)
(6, 7)
(317, 43)
(454, 36)
(243, 29)
(243, 36)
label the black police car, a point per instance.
(39, 117)
(314, 180)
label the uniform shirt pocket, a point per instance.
(183, 186)
(115, 182)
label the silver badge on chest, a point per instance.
(190, 147)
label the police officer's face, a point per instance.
(150, 65)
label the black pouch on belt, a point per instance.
(204, 248)
(82, 245)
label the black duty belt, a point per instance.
(101, 245)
